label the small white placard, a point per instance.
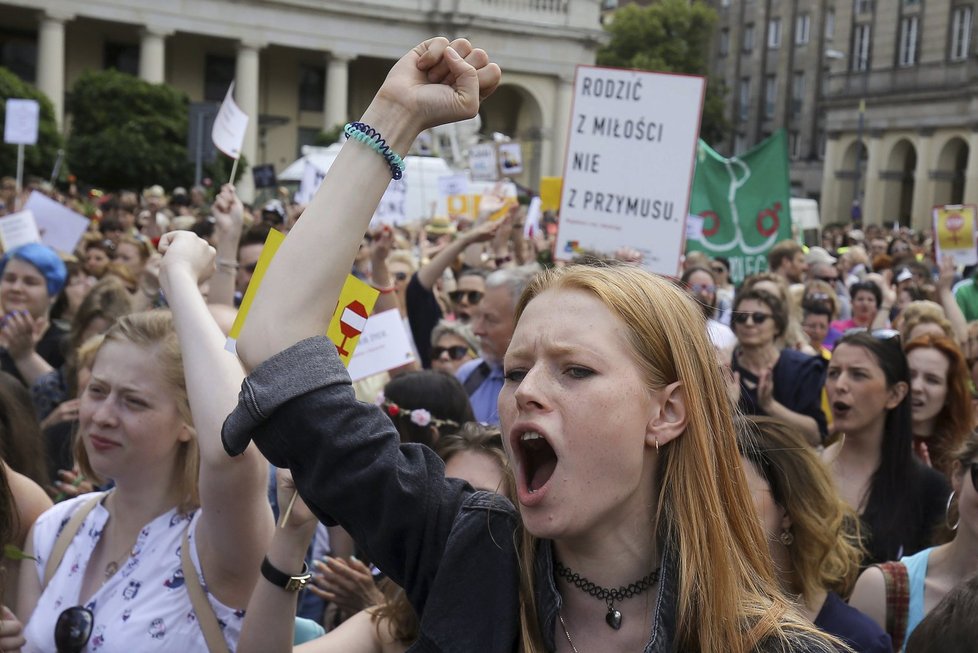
(694, 227)
(449, 185)
(60, 227)
(533, 214)
(384, 345)
(230, 126)
(20, 125)
(18, 229)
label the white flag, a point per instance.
(230, 126)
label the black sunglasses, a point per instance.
(471, 296)
(456, 352)
(401, 276)
(756, 317)
(249, 267)
(73, 629)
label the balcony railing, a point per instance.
(922, 77)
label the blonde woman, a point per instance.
(811, 532)
(634, 529)
(182, 516)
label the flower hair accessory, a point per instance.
(419, 416)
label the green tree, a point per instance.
(669, 36)
(38, 159)
(128, 133)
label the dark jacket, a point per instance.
(453, 549)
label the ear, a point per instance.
(785, 518)
(668, 419)
(187, 433)
(895, 394)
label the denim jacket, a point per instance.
(453, 549)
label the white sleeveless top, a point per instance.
(144, 606)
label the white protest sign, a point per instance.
(60, 227)
(384, 345)
(694, 227)
(629, 166)
(21, 122)
(511, 158)
(392, 209)
(312, 177)
(230, 126)
(482, 162)
(533, 215)
(18, 229)
(449, 185)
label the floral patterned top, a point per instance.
(144, 606)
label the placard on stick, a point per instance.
(21, 121)
(956, 230)
(629, 165)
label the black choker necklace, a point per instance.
(613, 618)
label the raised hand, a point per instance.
(21, 333)
(184, 251)
(228, 211)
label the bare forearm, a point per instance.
(222, 283)
(321, 247)
(958, 324)
(32, 367)
(429, 274)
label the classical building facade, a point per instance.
(911, 65)
(301, 66)
(771, 56)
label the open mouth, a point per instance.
(539, 460)
(840, 409)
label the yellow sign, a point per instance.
(956, 230)
(463, 206)
(550, 188)
(356, 302)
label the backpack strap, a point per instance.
(897, 600)
(67, 534)
(202, 607)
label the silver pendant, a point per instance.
(613, 618)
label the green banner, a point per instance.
(744, 203)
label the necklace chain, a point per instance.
(567, 633)
(609, 595)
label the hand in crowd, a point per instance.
(299, 518)
(11, 632)
(947, 274)
(70, 484)
(346, 583)
(381, 245)
(765, 389)
(184, 252)
(66, 411)
(21, 332)
(228, 212)
(923, 453)
(629, 255)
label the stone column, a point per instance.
(971, 172)
(873, 195)
(152, 55)
(923, 185)
(829, 209)
(51, 61)
(336, 105)
(246, 97)
(562, 119)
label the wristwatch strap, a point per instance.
(281, 579)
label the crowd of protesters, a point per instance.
(583, 456)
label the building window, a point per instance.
(305, 136)
(860, 47)
(724, 46)
(770, 95)
(907, 55)
(864, 6)
(740, 143)
(797, 92)
(821, 144)
(122, 57)
(774, 33)
(829, 24)
(794, 145)
(960, 33)
(747, 45)
(312, 87)
(218, 75)
(803, 29)
(724, 3)
(744, 98)
(18, 53)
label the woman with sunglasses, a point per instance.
(940, 399)
(931, 573)
(452, 345)
(182, 515)
(899, 500)
(634, 531)
(809, 529)
(774, 381)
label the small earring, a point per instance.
(787, 537)
(657, 445)
(947, 514)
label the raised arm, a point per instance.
(431, 85)
(945, 283)
(228, 215)
(236, 521)
(429, 274)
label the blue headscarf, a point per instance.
(45, 259)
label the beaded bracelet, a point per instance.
(372, 139)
